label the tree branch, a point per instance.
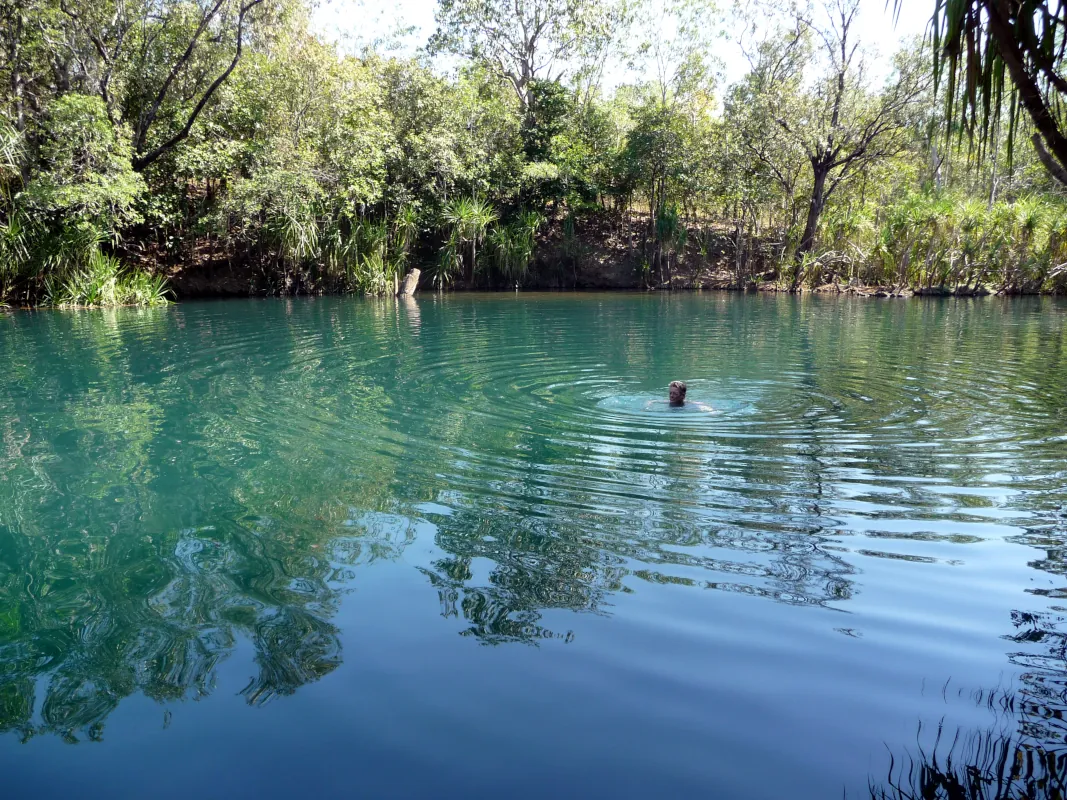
(1057, 170)
(140, 162)
(149, 117)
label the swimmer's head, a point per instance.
(676, 392)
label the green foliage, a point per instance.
(947, 241)
(373, 275)
(669, 228)
(298, 167)
(84, 174)
(988, 55)
(103, 282)
(81, 194)
(524, 40)
(467, 219)
(513, 245)
(549, 105)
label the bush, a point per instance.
(84, 168)
(938, 240)
(103, 282)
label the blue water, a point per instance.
(446, 548)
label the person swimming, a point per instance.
(676, 392)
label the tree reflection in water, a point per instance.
(152, 621)
(1023, 755)
(977, 765)
(174, 484)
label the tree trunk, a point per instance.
(411, 283)
(993, 171)
(815, 207)
(14, 58)
(807, 241)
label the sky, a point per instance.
(355, 23)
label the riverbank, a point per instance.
(606, 252)
(596, 252)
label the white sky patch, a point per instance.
(402, 27)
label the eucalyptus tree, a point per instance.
(304, 160)
(675, 45)
(664, 156)
(28, 65)
(766, 165)
(528, 40)
(834, 118)
(156, 67)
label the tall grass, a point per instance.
(941, 241)
(103, 282)
(65, 266)
(366, 256)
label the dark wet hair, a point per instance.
(680, 385)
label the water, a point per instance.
(447, 548)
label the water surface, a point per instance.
(445, 546)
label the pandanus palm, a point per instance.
(13, 233)
(513, 245)
(405, 229)
(986, 52)
(469, 218)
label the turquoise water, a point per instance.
(447, 547)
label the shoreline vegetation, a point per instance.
(189, 148)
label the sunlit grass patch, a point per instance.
(104, 282)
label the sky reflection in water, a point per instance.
(441, 544)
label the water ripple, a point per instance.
(300, 487)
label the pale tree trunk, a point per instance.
(14, 57)
(411, 283)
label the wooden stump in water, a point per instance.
(411, 283)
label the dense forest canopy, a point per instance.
(141, 141)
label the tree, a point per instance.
(526, 40)
(677, 48)
(761, 156)
(659, 154)
(172, 61)
(84, 169)
(839, 124)
(983, 47)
